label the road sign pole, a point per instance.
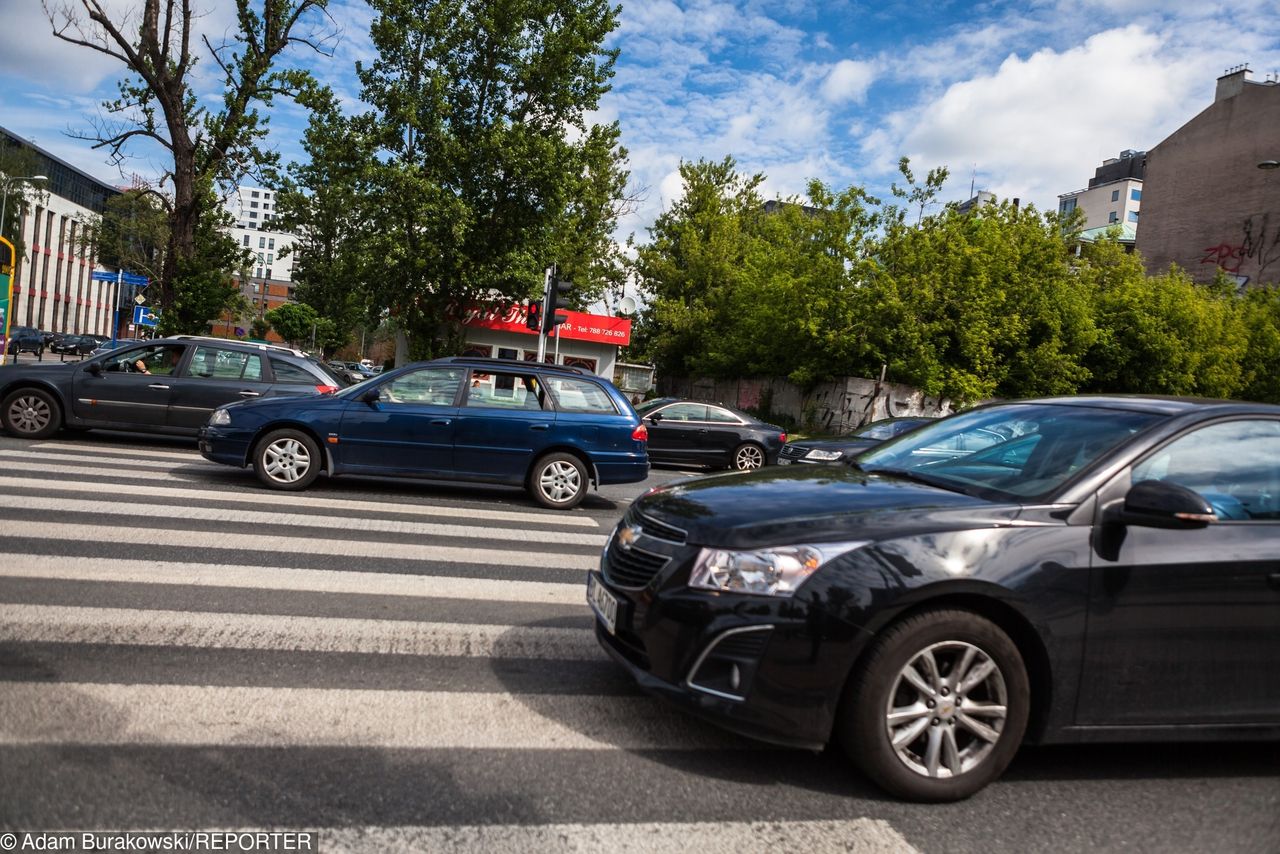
(115, 307)
(542, 339)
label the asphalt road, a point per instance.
(410, 665)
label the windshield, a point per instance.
(1018, 450)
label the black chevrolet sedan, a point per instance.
(1108, 572)
(691, 432)
(846, 448)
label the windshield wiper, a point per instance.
(916, 477)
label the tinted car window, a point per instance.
(287, 373)
(721, 416)
(574, 395)
(436, 386)
(1071, 437)
(159, 359)
(1234, 465)
(685, 412)
(216, 363)
(506, 391)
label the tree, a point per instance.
(208, 149)
(294, 322)
(17, 161)
(488, 169)
(324, 202)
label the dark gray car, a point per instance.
(166, 385)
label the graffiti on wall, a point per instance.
(1259, 244)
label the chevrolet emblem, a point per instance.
(627, 537)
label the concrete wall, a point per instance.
(1205, 203)
(836, 407)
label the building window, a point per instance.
(1133, 216)
(262, 242)
(246, 240)
(271, 243)
(260, 256)
(1135, 195)
(1066, 206)
(1115, 196)
(1114, 217)
(253, 214)
(268, 272)
(255, 204)
(254, 193)
(258, 272)
(271, 256)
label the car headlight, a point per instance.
(764, 572)
(820, 454)
(219, 418)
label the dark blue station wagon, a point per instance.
(552, 429)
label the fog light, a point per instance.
(735, 677)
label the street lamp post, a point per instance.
(4, 204)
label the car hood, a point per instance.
(773, 506)
(38, 368)
(842, 445)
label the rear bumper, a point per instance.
(632, 469)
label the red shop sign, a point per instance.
(580, 326)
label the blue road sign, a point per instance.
(135, 279)
(145, 316)
(128, 278)
(103, 276)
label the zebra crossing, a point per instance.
(398, 668)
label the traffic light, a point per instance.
(552, 301)
(533, 315)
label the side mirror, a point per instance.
(1160, 504)
(371, 396)
(95, 368)
(655, 417)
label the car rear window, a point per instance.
(574, 395)
(287, 372)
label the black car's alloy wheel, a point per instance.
(31, 413)
(558, 481)
(939, 707)
(287, 459)
(748, 456)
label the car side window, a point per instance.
(721, 416)
(1234, 465)
(575, 395)
(287, 373)
(219, 364)
(685, 412)
(433, 386)
(506, 391)
(157, 359)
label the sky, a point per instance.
(1022, 99)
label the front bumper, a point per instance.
(227, 446)
(770, 669)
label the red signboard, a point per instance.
(580, 326)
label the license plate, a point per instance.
(603, 603)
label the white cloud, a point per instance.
(1039, 126)
(848, 81)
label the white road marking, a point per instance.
(61, 568)
(274, 499)
(126, 529)
(103, 450)
(297, 520)
(108, 714)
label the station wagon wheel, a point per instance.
(287, 459)
(558, 481)
(748, 456)
(939, 708)
(31, 413)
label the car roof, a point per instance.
(491, 363)
(1155, 404)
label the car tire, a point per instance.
(901, 722)
(747, 457)
(31, 413)
(558, 481)
(287, 459)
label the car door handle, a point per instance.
(159, 386)
(539, 426)
(247, 393)
(1273, 580)
(441, 422)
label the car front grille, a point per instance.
(633, 568)
(793, 452)
(659, 530)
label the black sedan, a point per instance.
(842, 450)
(690, 432)
(1110, 571)
(77, 345)
(166, 385)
